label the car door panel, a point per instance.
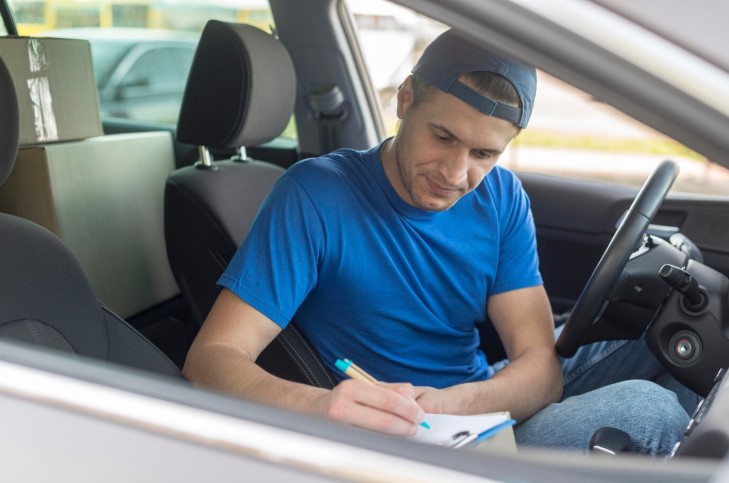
(575, 221)
(706, 222)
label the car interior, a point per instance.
(125, 272)
(48, 300)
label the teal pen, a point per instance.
(352, 370)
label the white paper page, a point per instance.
(443, 427)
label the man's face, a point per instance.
(443, 149)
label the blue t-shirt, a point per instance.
(368, 277)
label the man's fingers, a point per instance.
(375, 420)
(404, 388)
(376, 407)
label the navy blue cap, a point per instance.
(449, 56)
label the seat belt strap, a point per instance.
(330, 111)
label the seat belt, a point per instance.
(329, 111)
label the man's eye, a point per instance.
(442, 138)
(483, 154)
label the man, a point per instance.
(391, 256)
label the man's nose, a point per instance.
(454, 168)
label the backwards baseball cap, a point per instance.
(449, 56)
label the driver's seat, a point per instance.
(45, 297)
(240, 92)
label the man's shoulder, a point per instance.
(503, 175)
(503, 183)
(337, 169)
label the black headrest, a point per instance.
(241, 88)
(9, 123)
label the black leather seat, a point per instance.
(240, 92)
(45, 297)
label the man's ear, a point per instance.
(405, 96)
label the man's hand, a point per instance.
(432, 400)
(385, 408)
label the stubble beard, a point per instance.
(408, 178)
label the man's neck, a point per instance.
(388, 158)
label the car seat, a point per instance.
(45, 296)
(240, 92)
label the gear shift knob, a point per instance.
(609, 441)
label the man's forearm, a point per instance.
(229, 370)
(525, 386)
(387, 409)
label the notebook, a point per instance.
(455, 431)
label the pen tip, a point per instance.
(425, 425)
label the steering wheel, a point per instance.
(595, 295)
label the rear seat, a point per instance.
(101, 194)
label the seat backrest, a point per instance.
(240, 92)
(45, 296)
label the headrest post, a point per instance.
(205, 158)
(241, 154)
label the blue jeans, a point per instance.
(617, 384)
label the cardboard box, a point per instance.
(56, 89)
(104, 198)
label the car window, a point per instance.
(160, 66)
(137, 78)
(570, 133)
(151, 86)
(106, 56)
(158, 70)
